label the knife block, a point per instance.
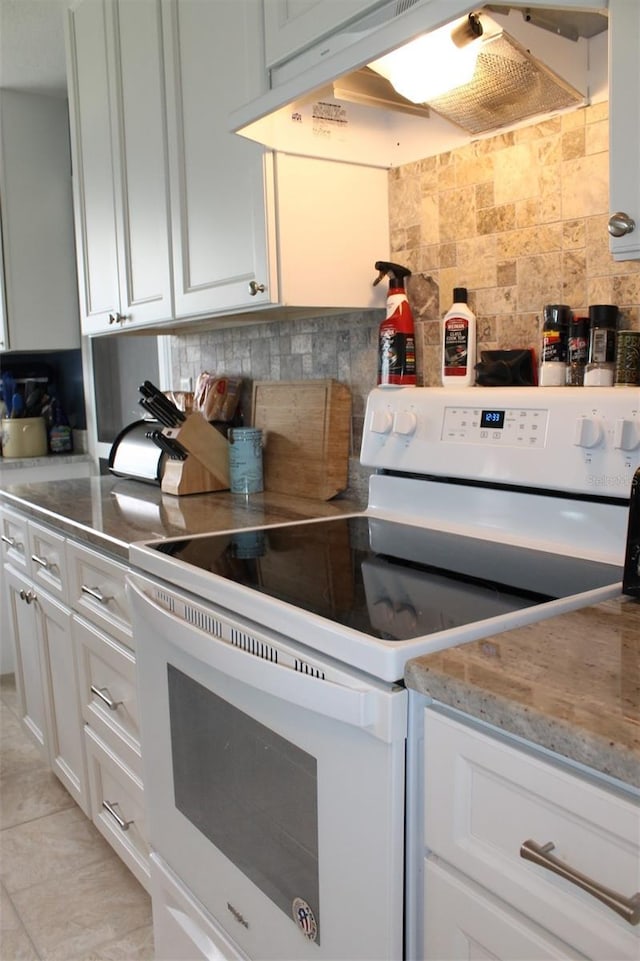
(206, 467)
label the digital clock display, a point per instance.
(492, 418)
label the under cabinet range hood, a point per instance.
(340, 99)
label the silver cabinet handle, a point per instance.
(12, 542)
(256, 288)
(627, 908)
(110, 806)
(621, 224)
(42, 561)
(105, 697)
(95, 594)
(28, 596)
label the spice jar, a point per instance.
(555, 327)
(577, 351)
(627, 359)
(599, 372)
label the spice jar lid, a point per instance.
(603, 315)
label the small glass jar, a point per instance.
(555, 327)
(577, 351)
(600, 369)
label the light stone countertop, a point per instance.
(111, 513)
(570, 684)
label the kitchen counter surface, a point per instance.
(111, 513)
(570, 684)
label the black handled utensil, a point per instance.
(153, 394)
(169, 445)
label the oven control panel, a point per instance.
(584, 440)
(519, 426)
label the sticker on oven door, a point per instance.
(304, 918)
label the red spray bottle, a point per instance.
(396, 339)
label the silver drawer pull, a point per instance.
(103, 694)
(42, 561)
(627, 908)
(28, 596)
(95, 594)
(110, 807)
(12, 542)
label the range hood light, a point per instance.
(434, 63)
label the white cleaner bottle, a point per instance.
(459, 342)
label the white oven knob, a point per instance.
(404, 422)
(626, 434)
(381, 422)
(588, 432)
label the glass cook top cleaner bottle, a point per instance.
(396, 337)
(459, 342)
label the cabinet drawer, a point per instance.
(462, 920)
(14, 539)
(48, 560)
(97, 590)
(117, 806)
(484, 798)
(107, 678)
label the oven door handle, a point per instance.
(355, 704)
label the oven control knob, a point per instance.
(588, 432)
(404, 422)
(626, 434)
(381, 422)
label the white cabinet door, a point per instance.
(214, 63)
(624, 124)
(292, 25)
(66, 744)
(46, 680)
(23, 624)
(39, 309)
(118, 132)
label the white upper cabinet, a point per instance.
(116, 95)
(214, 62)
(292, 25)
(39, 309)
(180, 221)
(624, 128)
(253, 231)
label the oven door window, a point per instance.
(251, 792)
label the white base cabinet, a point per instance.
(75, 667)
(462, 920)
(45, 663)
(486, 800)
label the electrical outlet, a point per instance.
(186, 383)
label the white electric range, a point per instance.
(270, 661)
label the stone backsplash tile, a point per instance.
(520, 219)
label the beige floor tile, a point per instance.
(52, 847)
(135, 946)
(31, 793)
(15, 944)
(96, 905)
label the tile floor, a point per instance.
(64, 894)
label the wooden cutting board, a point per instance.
(307, 428)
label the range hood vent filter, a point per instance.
(508, 86)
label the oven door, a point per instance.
(274, 782)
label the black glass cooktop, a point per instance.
(389, 580)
